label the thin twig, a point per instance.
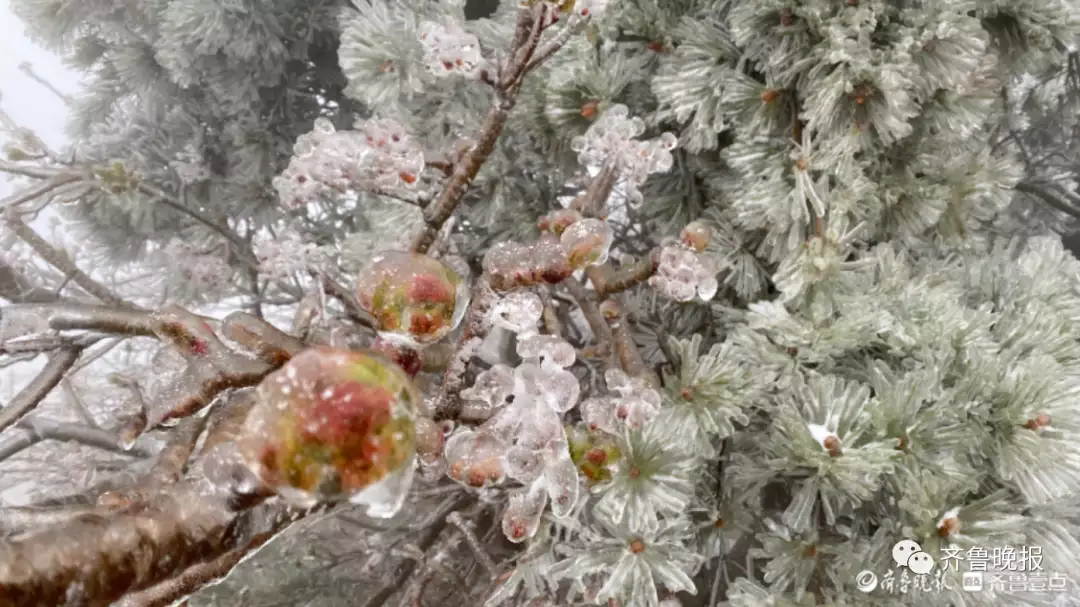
(31, 396)
(466, 527)
(62, 262)
(38, 430)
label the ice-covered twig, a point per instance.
(38, 430)
(527, 36)
(627, 350)
(608, 282)
(448, 402)
(586, 301)
(31, 396)
(62, 262)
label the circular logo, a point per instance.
(866, 580)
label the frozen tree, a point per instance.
(635, 303)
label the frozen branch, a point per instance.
(31, 396)
(625, 347)
(212, 367)
(40, 189)
(82, 317)
(586, 301)
(95, 561)
(62, 262)
(1050, 197)
(197, 576)
(608, 282)
(39, 429)
(27, 68)
(16, 288)
(526, 39)
(448, 403)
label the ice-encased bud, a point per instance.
(335, 424)
(475, 458)
(522, 516)
(587, 242)
(416, 300)
(411, 360)
(696, 235)
(562, 480)
(595, 453)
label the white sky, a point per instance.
(24, 100)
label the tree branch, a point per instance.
(608, 282)
(82, 317)
(15, 287)
(62, 262)
(527, 37)
(31, 396)
(40, 189)
(38, 430)
(1049, 197)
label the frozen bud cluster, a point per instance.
(288, 254)
(512, 264)
(557, 221)
(204, 270)
(634, 404)
(449, 49)
(612, 141)
(335, 424)
(552, 258)
(594, 452)
(684, 273)
(524, 438)
(416, 300)
(329, 163)
(394, 158)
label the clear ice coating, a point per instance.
(587, 242)
(490, 392)
(416, 300)
(335, 424)
(518, 312)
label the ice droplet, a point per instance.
(561, 477)
(518, 312)
(553, 350)
(524, 465)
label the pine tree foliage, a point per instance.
(749, 291)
